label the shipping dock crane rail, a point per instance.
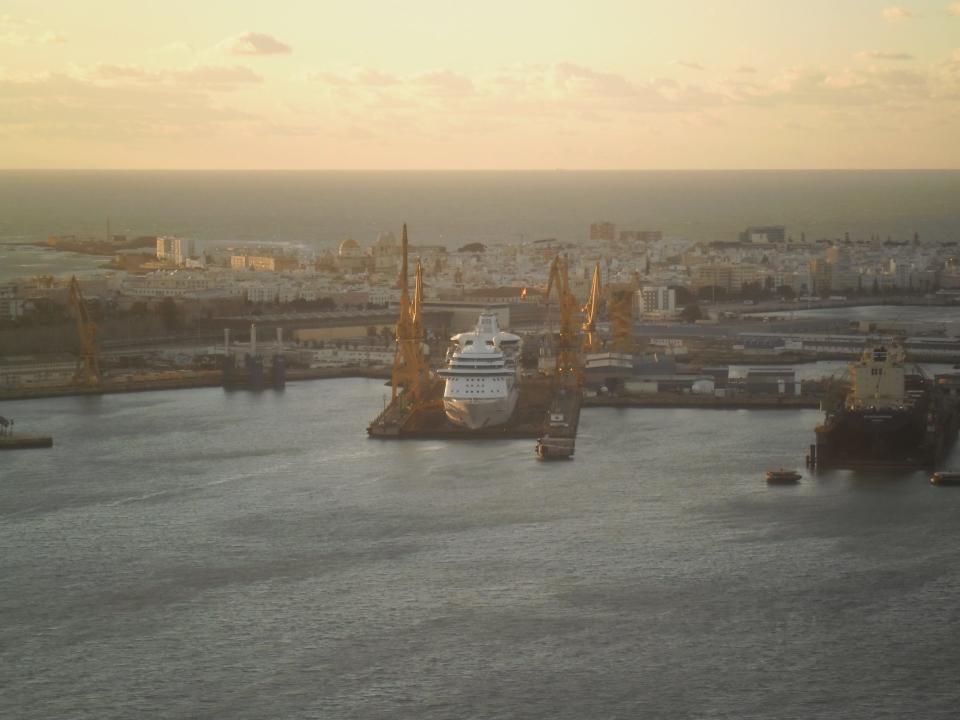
(88, 362)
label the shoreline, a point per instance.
(202, 379)
(673, 400)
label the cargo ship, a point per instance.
(891, 418)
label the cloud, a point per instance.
(745, 69)
(216, 76)
(359, 77)
(375, 78)
(20, 31)
(877, 87)
(581, 79)
(133, 105)
(562, 105)
(209, 76)
(879, 55)
(689, 64)
(178, 47)
(445, 82)
(515, 94)
(898, 14)
(252, 43)
(954, 9)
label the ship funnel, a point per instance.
(253, 339)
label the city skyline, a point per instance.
(384, 86)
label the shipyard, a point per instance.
(567, 339)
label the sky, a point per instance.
(518, 84)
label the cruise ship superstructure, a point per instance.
(481, 375)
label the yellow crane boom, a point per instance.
(568, 356)
(591, 340)
(88, 364)
(411, 370)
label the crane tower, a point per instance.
(88, 364)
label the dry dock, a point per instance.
(428, 422)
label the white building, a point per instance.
(175, 249)
(11, 305)
(651, 300)
(165, 284)
(164, 248)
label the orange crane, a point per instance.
(619, 302)
(591, 340)
(411, 370)
(88, 364)
(568, 356)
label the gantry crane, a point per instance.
(567, 349)
(88, 364)
(411, 370)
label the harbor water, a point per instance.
(207, 554)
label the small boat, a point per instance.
(945, 477)
(553, 448)
(783, 477)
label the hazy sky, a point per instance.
(492, 84)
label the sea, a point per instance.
(212, 554)
(321, 208)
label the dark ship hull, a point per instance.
(914, 436)
(253, 375)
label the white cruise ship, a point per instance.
(481, 376)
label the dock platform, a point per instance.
(558, 439)
(25, 442)
(530, 419)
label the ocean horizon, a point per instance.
(454, 207)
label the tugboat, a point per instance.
(555, 448)
(783, 477)
(945, 477)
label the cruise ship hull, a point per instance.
(476, 414)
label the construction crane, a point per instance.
(88, 364)
(411, 371)
(591, 338)
(567, 349)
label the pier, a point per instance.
(25, 442)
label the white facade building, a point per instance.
(175, 249)
(659, 300)
(165, 284)
(11, 305)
